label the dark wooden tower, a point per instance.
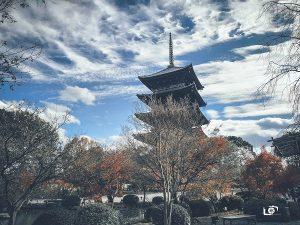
(178, 82)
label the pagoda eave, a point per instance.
(189, 91)
(171, 76)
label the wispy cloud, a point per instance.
(98, 48)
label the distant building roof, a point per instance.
(287, 145)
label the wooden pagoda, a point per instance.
(287, 145)
(178, 82)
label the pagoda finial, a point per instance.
(171, 58)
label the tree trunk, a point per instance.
(165, 209)
(144, 192)
(12, 216)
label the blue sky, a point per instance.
(93, 51)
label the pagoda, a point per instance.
(178, 82)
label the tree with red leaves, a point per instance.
(288, 181)
(115, 171)
(261, 172)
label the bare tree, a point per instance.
(172, 148)
(284, 64)
(30, 155)
(12, 56)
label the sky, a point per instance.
(94, 50)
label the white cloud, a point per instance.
(118, 89)
(236, 81)
(76, 94)
(258, 109)
(244, 51)
(257, 132)
(58, 113)
(101, 26)
(214, 114)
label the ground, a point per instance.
(220, 223)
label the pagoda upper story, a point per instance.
(178, 82)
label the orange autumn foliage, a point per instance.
(115, 170)
(215, 177)
(261, 172)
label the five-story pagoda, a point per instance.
(177, 82)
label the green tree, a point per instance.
(30, 155)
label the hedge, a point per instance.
(256, 206)
(97, 214)
(157, 200)
(71, 200)
(56, 216)
(231, 203)
(131, 200)
(200, 208)
(294, 210)
(180, 216)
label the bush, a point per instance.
(255, 207)
(157, 200)
(70, 201)
(247, 195)
(131, 200)
(98, 214)
(57, 216)
(187, 207)
(180, 215)
(294, 210)
(200, 208)
(231, 203)
(151, 212)
(47, 219)
(3, 204)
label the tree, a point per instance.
(115, 171)
(173, 148)
(288, 181)
(260, 173)
(285, 67)
(13, 56)
(30, 155)
(84, 173)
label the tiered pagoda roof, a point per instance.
(287, 145)
(178, 82)
(178, 92)
(171, 76)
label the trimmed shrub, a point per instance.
(231, 203)
(3, 204)
(180, 215)
(187, 207)
(247, 195)
(200, 208)
(57, 216)
(294, 210)
(151, 212)
(157, 200)
(131, 200)
(71, 200)
(256, 206)
(47, 219)
(98, 214)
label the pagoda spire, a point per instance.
(171, 58)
